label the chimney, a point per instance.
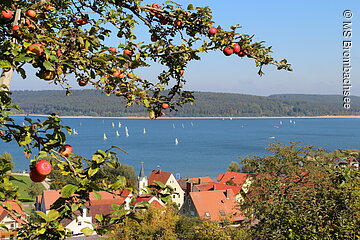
(227, 193)
(199, 180)
(189, 187)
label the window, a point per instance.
(12, 225)
(183, 211)
(189, 202)
(222, 213)
(79, 223)
(207, 214)
(174, 196)
(174, 189)
(192, 213)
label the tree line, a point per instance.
(95, 103)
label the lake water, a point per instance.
(205, 146)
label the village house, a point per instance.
(214, 205)
(85, 216)
(166, 178)
(10, 220)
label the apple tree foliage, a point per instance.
(303, 193)
(68, 39)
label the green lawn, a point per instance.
(23, 187)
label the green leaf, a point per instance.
(87, 231)
(49, 66)
(74, 207)
(97, 195)
(5, 64)
(52, 215)
(99, 217)
(97, 158)
(159, 183)
(68, 190)
(190, 7)
(92, 171)
(27, 140)
(41, 214)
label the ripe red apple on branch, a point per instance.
(66, 150)
(31, 13)
(36, 177)
(7, 14)
(36, 48)
(43, 167)
(213, 31)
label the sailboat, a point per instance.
(126, 132)
(119, 125)
(75, 132)
(280, 122)
(105, 136)
(112, 124)
(176, 141)
(144, 130)
(182, 125)
(230, 118)
(192, 124)
(23, 123)
(290, 121)
(117, 133)
(173, 125)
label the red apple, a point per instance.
(58, 53)
(154, 38)
(236, 48)
(165, 105)
(66, 150)
(182, 71)
(81, 21)
(128, 52)
(117, 73)
(213, 31)
(112, 49)
(36, 177)
(178, 23)
(130, 75)
(242, 53)
(31, 13)
(228, 51)
(43, 167)
(16, 28)
(82, 83)
(155, 5)
(50, 7)
(7, 13)
(36, 48)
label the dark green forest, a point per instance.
(95, 103)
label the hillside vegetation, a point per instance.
(95, 103)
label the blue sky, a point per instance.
(307, 33)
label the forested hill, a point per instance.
(94, 103)
(317, 98)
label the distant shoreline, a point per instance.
(134, 117)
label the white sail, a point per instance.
(23, 123)
(290, 121)
(144, 130)
(192, 124)
(126, 132)
(112, 124)
(117, 133)
(173, 125)
(75, 132)
(105, 136)
(182, 125)
(176, 141)
(230, 118)
(119, 124)
(280, 122)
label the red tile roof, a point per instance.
(14, 206)
(216, 186)
(202, 179)
(236, 177)
(154, 201)
(50, 196)
(158, 175)
(211, 204)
